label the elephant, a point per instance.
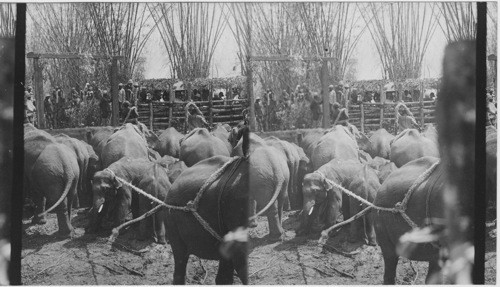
(198, 145)
(308, 139)
(222, 132)
(223, 205)
(431, 133)
(383, 167)
(269, 177)
(426, 202)
(155, 182)
(379, 144)
(169, 142)
(323, 202)
(134, 141)
(98, 139)
(293, 160)
(336, 143)
(491, 163)
(409, 145)
(51, 174)
(111, 198)
(88, 163)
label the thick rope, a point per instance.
(400, 207)
(192, 205)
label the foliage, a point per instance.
(402, 32)
(458, 21)
(84, 115)
(164, 84)
(7, 20)
(190, 33)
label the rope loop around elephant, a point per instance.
(400, 207)
(192, 205)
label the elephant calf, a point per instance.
(323, 202)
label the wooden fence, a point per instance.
(372, 116)
(161, 115)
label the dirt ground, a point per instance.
(299, 260)
(90, 260)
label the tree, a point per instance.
(458, 20)
(119, 29)
(402, 33)
(7, 20)
(190, 33)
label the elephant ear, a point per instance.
(117, 183)
(327, 184)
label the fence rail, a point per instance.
(161, 115)
(372, 116)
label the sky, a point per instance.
(225, 58)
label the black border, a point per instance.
(18, 141)
(480, 149)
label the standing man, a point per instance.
(121, 97)
(259, 115)
(317, 113)
(332, 97)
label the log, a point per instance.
(362, 121)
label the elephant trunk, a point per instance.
(307, 216)
(96, 214)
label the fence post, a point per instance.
(381, 114)
(421, 99)
(210, 106)
(171, 107)
(39, 97)
(114, 92)
(151, 116)
(362, 109)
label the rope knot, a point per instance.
(190, 206)
(399, 207)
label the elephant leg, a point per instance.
(356, 229)
(159, 221)
(253, 206)
(433, 273)
(370, 229)
(241, 266)
(181, 257)
(346, 213)
(63, 218)
(390, 257)
(273, 218)
(40, 202)
(146, 225)
(123, 203)
(225, 273)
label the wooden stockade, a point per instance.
(157, 114)
(372, 116)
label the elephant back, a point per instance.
(335, 144)
(410, 145)
(35, 141)
(169, 142)
(255, 141)
(125, 142)
(198, 145)
(380, 144)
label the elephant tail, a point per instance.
(277, 191)
(67, 188)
